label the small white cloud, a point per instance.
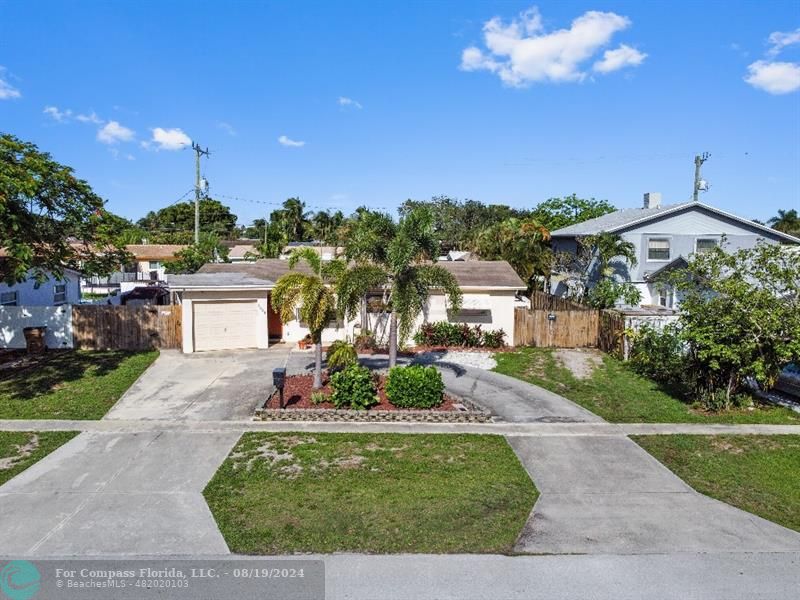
(285, 141)
(338, 197)
(56, 114)
(349, 102)
(168, 139)
(226, 127)
(113, 133)
(130, 157)
(622, 57)
(7, 91)
(90, 118)
(774, 77)
(778, 40)
(522, 52)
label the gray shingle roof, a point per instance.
(615, 220)
(227, 278)
(473, 273)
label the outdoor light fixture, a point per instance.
(279, 380)
(551, 316)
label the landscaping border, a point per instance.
(472, 414)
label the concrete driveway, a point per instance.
(205, 386)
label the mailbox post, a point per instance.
(279, 381)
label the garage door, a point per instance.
(224, 325)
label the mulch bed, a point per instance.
(297, 394)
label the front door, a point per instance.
(274, 324)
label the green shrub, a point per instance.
(318, 397)
(353, 387)
(443, 333)
(341, 355)
(660, 355)
(414, 387)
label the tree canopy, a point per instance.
(556, 213)
(787, 221)
(51, 220)
(215, 218)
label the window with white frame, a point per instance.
(703, 245)
(666, 296)
(60, 293)
(658, 249)
(8, 299)
(154, 265)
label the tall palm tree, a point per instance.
(295, 219)
(309, 296)
(608, 246)
(400, 266)
(787, 221)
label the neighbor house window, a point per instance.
(8, 299)
(60, 293)
(154, 265)
(666, 296)
(704, 245)
(658, 249)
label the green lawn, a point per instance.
(70, 385)
(20, 449)
(757, 473)
(383, 493)
(619, 395)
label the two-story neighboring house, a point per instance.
(147, 268)
(664, 237)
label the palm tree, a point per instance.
(295, 219)
(399, 265)
(310, 295)
(787, 221)
(608, 246)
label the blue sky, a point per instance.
(603, 99)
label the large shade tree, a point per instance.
(51, 220)
(400, 265)
(176, 219)
(309, 295)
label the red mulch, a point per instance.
(413, 351)
(297, 394)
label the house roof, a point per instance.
(203, 280)
(240, 250)
(470, 274)
(629, 217)
(677, 263)
(154, 251)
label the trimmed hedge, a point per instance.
(414, 387)
(443, 333)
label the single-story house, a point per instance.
(664, 237)
(228, 306)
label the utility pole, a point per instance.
(198, 152)
(698, 162)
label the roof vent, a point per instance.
(652, 200)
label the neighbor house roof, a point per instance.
(629, 217)
(471, 274)
(204, 280)
(154, 251)
(241, 250)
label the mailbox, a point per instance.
(279, 381)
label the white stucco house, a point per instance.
(664, 238)
(228, 305)
(149, 266)
(50, 292)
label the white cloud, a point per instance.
(285, 141)
(168, 139)
(113, 133)
(90, 118)
(349, 102)
(7, 91)
(56, 114)
(774, 77)
(778, 40)
(227, 128)
(521, 52)
(622, 57)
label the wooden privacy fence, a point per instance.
(104, 327)
(556, 328)
(611, 333)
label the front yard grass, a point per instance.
(757, 473)
(70, 384)
(617, 394)
(20, 449)
(381, 493)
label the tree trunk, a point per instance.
(317, 365)
(393, 340)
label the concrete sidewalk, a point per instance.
(606, 495)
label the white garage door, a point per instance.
(224, 325)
